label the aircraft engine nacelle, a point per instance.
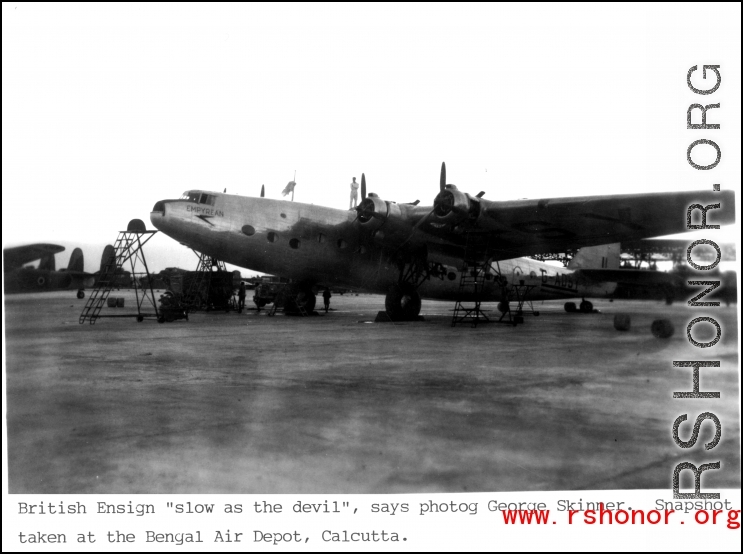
(373, 212)
(452, 206)
(383, 220)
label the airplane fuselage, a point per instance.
(321, 246)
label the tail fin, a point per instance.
(108, 257)
(47, 263)
(605, 256)
(76, 261)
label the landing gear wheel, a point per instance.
(402, 303)
(140, 319)
(586, 307)
(81, 294)
(570, 307)
(503, 307)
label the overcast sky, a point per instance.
(108, 108)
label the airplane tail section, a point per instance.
(605, 256)
(108, 257)
(76, 261)
(47, 263)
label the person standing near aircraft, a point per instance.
(326, 298)
(241, 298)
(354, 194)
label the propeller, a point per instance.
(363, 186)
(263, 191)
(442, 180)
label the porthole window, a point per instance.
(294, 243)
(342, 244)
(451, 275)
(272, 237)
(283, 216)
(248, 230)
(321, 238)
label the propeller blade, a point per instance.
(442, 181)
(363, 186)
(263, 191)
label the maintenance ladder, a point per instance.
(127, 248)
(472, 280)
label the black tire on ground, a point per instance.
(586, 307)
(503, 307)
(161, 319)
(622, 322)
(570, 307)
(81, 294)
(402, 303)
(140, 319)
(662, 328)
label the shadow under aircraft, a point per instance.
(463, 247)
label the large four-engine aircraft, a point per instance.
(409, 252)
(20, 278)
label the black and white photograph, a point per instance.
(371, 249)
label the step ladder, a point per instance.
(279, 303)
(472, 280)
(127, 248)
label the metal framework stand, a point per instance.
(198, 293)
(128, 248)
(472, 281)
(521, 294)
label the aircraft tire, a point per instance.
(586, 307)
(81, 294)
(570, 307)
(402, 303)
(622, 322)
(662, 328)
(503, 307)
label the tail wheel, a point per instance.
(80, 294)
(402, 302)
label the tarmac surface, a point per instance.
(246, 403)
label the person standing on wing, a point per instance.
(354, 194)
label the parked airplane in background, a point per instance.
(409, 252)
(44, 278)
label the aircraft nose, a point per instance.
(157, 215)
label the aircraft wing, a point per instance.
(527, 227)
(20, 255)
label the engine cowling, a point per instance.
(382, 220)
(454, 207)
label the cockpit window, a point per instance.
(199, 197)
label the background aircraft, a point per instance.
(20, 278)
(410, 251)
